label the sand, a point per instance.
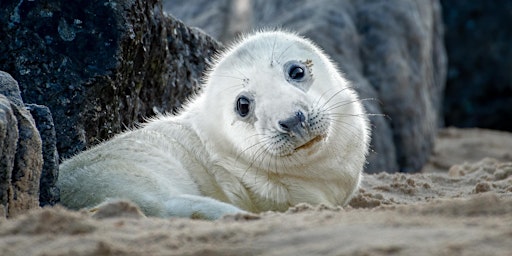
(461, 204)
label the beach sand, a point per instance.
(460, 204)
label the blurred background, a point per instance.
(478, 41)
(477, 38)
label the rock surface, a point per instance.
(391, 50)
(21, 157)
(8, 139)
(479, 83)
(100, 66)
(49, 193)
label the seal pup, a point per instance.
(275, 124)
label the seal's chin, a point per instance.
(286, 147)
(310, 143)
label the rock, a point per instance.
(404, 60)
(10, 89)
(49, 193)
(100, 66)
(28, 164)
(391, 50)
(8, 139)
(20, 152)
(20, 160)
(479, 83)
(29, 150)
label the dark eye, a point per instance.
(296, 72)
(242, 106)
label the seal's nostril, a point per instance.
(284, 126)
(293, 122)
(300, 116)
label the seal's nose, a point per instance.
(294, 125)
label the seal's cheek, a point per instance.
(241, 132)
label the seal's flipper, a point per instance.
(199, 207)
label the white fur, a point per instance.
(206, 160)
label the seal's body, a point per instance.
(274, 125)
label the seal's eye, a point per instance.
(296, 73)
(242, 106)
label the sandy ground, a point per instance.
(461, 204)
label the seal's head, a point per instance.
(283, 104)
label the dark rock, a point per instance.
(390, 50)
(48, 193)
(100, 66)
(479, 83)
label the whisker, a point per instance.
(332, 97)
(258, 152)
(273, 51)
(240, 72)
(285, 50)
(248, 148)
(227, 76)
(233, 86)
(347, 127)
(357, 115)
(344, 103)
(317, 101)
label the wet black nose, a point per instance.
(293, 123)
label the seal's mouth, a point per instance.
(311, 143)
